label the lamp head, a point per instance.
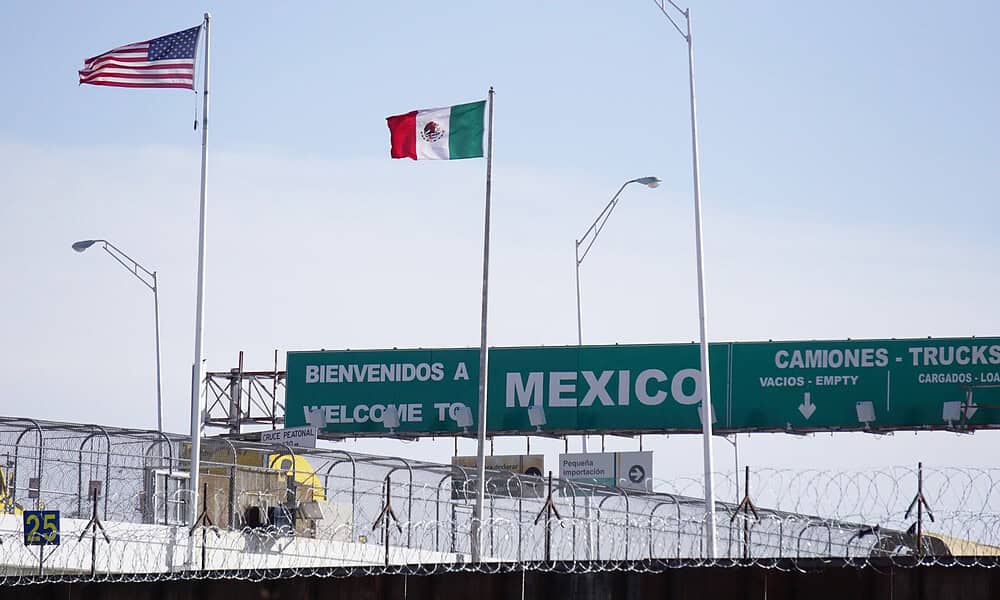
(83, 245)
(463, 416)
(649, 181)
(390, 418)
(536, 415)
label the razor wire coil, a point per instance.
(279, 512)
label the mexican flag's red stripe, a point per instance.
(403, 131)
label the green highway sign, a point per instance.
(877, 385)
(601, 388)
(432, 391)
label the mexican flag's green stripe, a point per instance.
(466, 137)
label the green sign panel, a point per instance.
(873, 384)
(767, 386)
(430, 391)
(602, 388)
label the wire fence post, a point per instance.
(548, 510)
(920, 503)
(204, 522)
(387, 516)
(92, 526)
(747, 507)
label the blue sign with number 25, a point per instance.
(41, 527)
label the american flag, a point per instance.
(163, 62)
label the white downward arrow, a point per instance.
(970, 408)
(807, 408)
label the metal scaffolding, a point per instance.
(238, 398)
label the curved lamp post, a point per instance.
(587, 240)
(590, 236)
(148, 278)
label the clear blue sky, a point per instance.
(840, 110)
(849, 171)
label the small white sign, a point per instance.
(635, 470)
(532, 465)
(593, 468)
(303, 437)
(627, 470)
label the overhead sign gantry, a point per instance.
(803, 386)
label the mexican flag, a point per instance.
(445, 133)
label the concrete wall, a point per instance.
(687, 583)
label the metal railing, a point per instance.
(280, 507)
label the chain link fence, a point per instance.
(271, 511)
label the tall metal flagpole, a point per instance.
(477, 516)
(706, 403)
(196, 368)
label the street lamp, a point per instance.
(588, 238)
(666, 6)
(148, 278)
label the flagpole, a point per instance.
(477, 516)
(196, 368)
